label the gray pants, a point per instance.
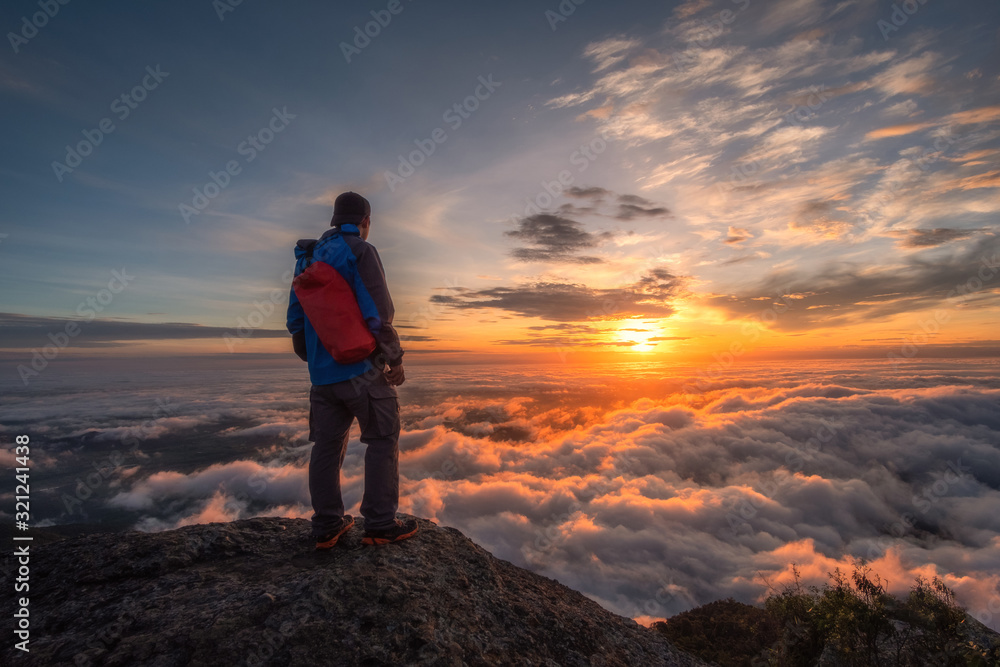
(332, 410)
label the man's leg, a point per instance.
(329, 426)
(377, 409)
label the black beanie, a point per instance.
(350, 208)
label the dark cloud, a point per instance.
(588, 193)
(841, 294)
(634, 200)
(578, 335)
(569, 209)
(924, 238)
(651, 296)
(822, 218)
(30, 331)
(740, 259)
(567, 335)
(567, 327)
(626, 207)
(634, 206)
(565, 341)
(554, 238)
(632, 211)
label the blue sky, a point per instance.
(867, 162)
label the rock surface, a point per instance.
(253, 592)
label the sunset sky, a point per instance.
(633, 180)
(753, 247)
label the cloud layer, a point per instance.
(618, 481)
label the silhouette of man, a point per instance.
(364, 390)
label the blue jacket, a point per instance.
(358, 262)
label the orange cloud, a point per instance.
(970, 117)
(988, 180)
(983, 115)
(896, 130)
(974, 158)
(600, 113)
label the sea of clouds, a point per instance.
(651, 489)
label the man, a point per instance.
(363, 390)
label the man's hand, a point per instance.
(395, 376)
(299, 345)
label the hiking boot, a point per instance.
(329, 540)
(400, 531)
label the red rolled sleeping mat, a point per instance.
(333, 311)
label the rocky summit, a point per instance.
(254, 592)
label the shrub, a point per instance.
(851, 621)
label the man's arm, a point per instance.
(296, 325)
(373, 276)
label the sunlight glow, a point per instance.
(631, 332)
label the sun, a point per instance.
(639, 337)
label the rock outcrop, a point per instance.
(253, 592)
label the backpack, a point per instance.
(329, 303)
